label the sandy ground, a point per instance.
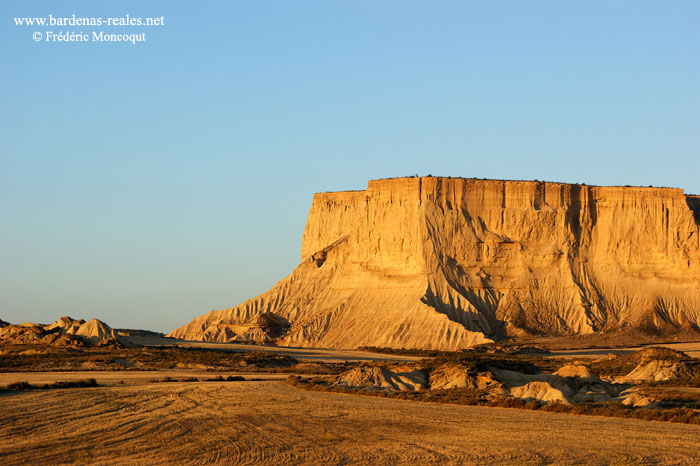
(309, 354)
(272, 423)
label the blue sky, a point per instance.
(146, 184)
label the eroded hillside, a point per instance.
(64, 332)
(446, 263)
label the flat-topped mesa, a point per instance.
(444, 263)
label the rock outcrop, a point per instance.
(450, 375)
(381, 378)
(572, 384)
(578, 386)
(64, 332)
(659, 364)
(447, 263)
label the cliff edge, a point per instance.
(446, 263)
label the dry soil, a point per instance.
(272, 423)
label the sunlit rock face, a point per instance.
(445, 263)
(64, 332)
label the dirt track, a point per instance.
(692, 349)
(335, 355)
(272, 423)
(304, 353)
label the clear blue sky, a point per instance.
(146, 184)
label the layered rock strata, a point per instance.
(447, 263)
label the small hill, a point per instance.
(658, 364)
(66, 331)
(578, 371)
(381, 378)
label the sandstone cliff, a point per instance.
(446, 263)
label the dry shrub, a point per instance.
(17, 386)
(556, 407)
(532, 405)
(72, 384)
(20, 386)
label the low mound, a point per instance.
(635, 399)
(660, 369)
(381, 378)
(449, 376)
(657, 364)
(541, 391)
(579, 371)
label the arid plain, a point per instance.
(269, 422)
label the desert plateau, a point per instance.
(446, 263)
(431, 321)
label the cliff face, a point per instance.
(446, 263)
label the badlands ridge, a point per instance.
(64, 332)
(447, 263)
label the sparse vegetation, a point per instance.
(475, 397)
(479, 358)
(19, 358)
(693, 382)
(22, 386)
(230, 378)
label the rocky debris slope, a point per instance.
(492, 378)
(64, 332)
(446, 263)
